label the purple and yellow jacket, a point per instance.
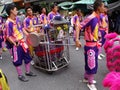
(43, 19)
(104, 24)
(29, 22)
(14, 31)
(1, 22)
(51, 15)
(76, 20)
(91, 25)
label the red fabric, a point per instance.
(53, 51)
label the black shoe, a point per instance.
(30, 74)
(22, 78)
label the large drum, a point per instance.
(34, 38)
(43, 48)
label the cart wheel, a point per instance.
(50, 72)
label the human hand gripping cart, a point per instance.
(52, 47)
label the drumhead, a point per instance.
(33, 39)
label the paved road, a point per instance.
(64, 79)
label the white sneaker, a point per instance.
(91, 86)
(0, 57)
(86, 81)
(99, 57)
(77, 48)
(11, 56)
(102, 55)
(32, 62)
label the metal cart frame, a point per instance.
(53, 60)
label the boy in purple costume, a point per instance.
(104, 27)
(91, 25)
(43, 17)
(15, 37)
(29, 23)
(30, 20)
(1, 36)
(77, 18)
(53, 13)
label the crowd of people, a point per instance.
(15, 28)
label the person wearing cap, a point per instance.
(103, 30)
(20, 48)
(91, 48)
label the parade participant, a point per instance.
(53, 13)
(70, 19)
(38, 17)
(3, 30)
(91, 25)
(29, 23)
(2, 43)
(43, 17)
(20, 48)
(77, 18)
(21, 17)
(1, 36)
(44, 20)
(9, 46)
(30, 20)
(103, 30)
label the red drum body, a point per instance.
(52, 51)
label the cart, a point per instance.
(52, 51)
